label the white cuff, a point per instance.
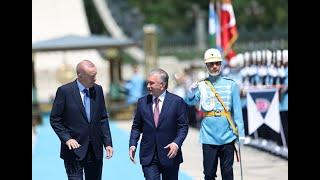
(175, 144)
(132, 147)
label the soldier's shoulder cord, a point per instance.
(228, 78)
(204, 79)
(231, 123)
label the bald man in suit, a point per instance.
(79, 118)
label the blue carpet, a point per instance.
(47, 165)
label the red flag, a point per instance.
(229, 32)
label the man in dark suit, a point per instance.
(80, 120)
(161, 117)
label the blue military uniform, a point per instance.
(284, 100)
(219, 99)
(216, 130)
(216, 134)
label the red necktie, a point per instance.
(156, 111)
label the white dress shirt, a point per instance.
(161, 100)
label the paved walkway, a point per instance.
(47, 165)
(257, 165)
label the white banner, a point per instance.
(263, 107)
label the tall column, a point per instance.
(36, 113)
(34, 90)
(112, 55)
(115, 74)
(65, 72)
(200, 28)
(150, 47)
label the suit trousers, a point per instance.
(90, 165)
(211, 154)
(154, 169)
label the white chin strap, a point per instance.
(214, 74)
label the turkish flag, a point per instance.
(229, 32)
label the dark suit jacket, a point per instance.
(68, 119)
(172, 127)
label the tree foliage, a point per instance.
(251, 15)
(171, 15)
(261, 14)
(256, 19)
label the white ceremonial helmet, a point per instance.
(238, 61)
(278, 55)
(247, 57)
(269, 57)
(285, 55)
(259, 56)
(254, 56)
(212, 55)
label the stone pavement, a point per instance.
(257, 165)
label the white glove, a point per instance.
(242, 140)
(194, 85)
(192, 89)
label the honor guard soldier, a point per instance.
(253, 69)
(284, 82)
(219, 99)
(262, 69)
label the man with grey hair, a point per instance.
(79, 118)
(161, 117)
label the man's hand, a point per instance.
(173, 150)
(132, 152)
(192, 89)
(109, 152)
(194, 86)
(72, 144)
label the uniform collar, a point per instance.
(214, 79)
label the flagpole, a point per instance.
(212, 29)
(218, 38)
